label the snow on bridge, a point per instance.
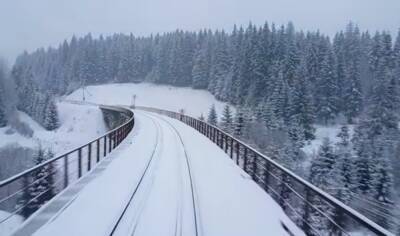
(168, 179)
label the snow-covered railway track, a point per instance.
(195, 207)
(145, 173)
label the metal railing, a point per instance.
(24, 193)
(313, 210)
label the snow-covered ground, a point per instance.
(12, 223)
(79, 124)
(194, 102)
(322, 132)
(226, 200)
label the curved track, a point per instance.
(167, 166)
(139, 184)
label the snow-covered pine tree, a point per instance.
(238, 123)
(51, 121)
(200, 70)
(344, 174)
(39, 186)
(301, 106)
(352, 92)
(321, 175)
(25, 202)
(3, 118)
(201, 117)
(212, 116)
(322, 166)
(227, 119)
(326, 91)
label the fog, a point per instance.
(27, 25)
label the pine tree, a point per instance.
(212, 116)
(3, 119)
(200, 70)
(227, 119)
(239, 123)
(322, 166)
(344, 174)
(51, 121)
(25, 201)
(38, 186)
(201, 117)
(327, 90)
(301, 107)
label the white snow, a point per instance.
(79, 124)
(227, 201)
(12, 223)
(194, 102)
(322, 132)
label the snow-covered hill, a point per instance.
(79, 124)
(194, 102)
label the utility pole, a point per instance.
(133, 101)
(83, 91)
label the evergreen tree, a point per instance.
(3, 119)
(327, 90)
(301, 107)
(344, 175)
(239, 123)
(322, 166)
(38, 186)
(227, 119)
(212, 116)
(201, 117)
(200, 70)
(51, 121)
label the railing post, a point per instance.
(226, 143)
(66, 171)
(255, 169)
(245, 159)
(217, 137)
(266, 176)
(237, 153)
(231, 147)
(105, 146)
(79, 162)
(109, 142)
(89, 166)
(114, 139)
(98, 150)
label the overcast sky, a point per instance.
(29, 24)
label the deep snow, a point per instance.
(79, 124)
(194, 102)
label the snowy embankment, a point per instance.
(194, 102)
(79, 124)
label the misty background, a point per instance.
(27, 25)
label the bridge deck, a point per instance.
(151, 174)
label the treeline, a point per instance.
(293, 77)
(3, 116)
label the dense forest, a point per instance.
(281, 81)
